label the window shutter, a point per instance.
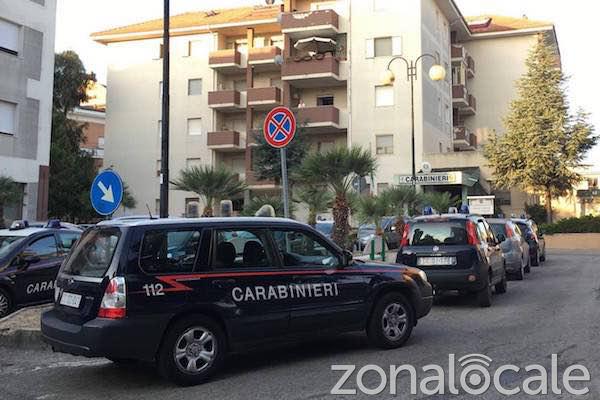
(370, 48)
(397, 45)
(9, 36)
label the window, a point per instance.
(9, 37)
(277, 41)
(93, 255)
(197, 48)
(68, 239)
(324, 147)
(43, 248)
(8, 116)
(161, 51)
(383, 47)
(384, 144)
(193, 162)
(194, 126)
(101, 142)
(259, 42)
(437, 233)
(325, 100)
(192, 208)
(503, 197)
(169, 251)
(384, 96)
(483, 233)
(241, 249)
(299, 249)
(194, 87)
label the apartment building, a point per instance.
(325, 60)
(26, 76)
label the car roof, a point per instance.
(267, 221)
(445, 217)
(32, 231)
(520, 220)
(498, 220)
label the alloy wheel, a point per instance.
(195, 350)
(394, 321)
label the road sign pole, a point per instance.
(284, 183)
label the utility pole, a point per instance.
(164, 158)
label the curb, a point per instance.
(22, 310)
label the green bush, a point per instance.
(587, 224)
(537, 212)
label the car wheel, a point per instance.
(484, 296)
(521, 274)
(391, 322)
(543, 257)
(528, 266)
(192, 351)
(535, 260)
(502, 285)
(5, 303)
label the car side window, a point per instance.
(483, 233)
(491, 236)
(244, 248)
(68, 239)
(44, 248)
(169, 251)
(300, 249)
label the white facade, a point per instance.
(26, 81)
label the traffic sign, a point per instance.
(106, 192)
(279, 127)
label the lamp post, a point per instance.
(436, 73)
(164, 153)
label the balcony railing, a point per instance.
(310, 23)
(254, 183)
(464, 139)
(319, 119)
(264, 98)
(226, 61)
(458, 52)
(224, 100)
(321, 70)
(224, 140)
(263, 58)
(470, 67)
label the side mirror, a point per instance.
(347, 258)
(25, 260)
(501, 237)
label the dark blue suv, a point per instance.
(458, 252)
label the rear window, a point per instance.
(437, 233)
(498, 229)
(8, 243)
(94, 252)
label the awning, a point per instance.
(315, 45)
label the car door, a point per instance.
(496, 251)
(246, 281)
(492, 253)
(36, 269)
(325, 295)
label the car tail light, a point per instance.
(472, 233)
(509, 231)
(405, 233)
(113, 304)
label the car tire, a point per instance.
(6, 303)
(543, 257)
(535, 260)
(501, 286)
(180, 353)
(521, 274)
(384, 329)
(484, 296)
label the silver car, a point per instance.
(514, 247)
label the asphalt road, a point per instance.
(556, 310)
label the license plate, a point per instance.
(436, 261)
(70, 300)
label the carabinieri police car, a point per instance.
(184, 293)
(29, 261)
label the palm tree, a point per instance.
(257, 202)
(9, 194)
(440, 202)
(403, 200)
(129, 202)
(318, 199)
(372, 209)
(211, 184)
(336, 169)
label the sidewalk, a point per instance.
(21, 329)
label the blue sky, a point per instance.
(574, 21)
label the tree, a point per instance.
(372, 209)
(536, 212)
(267, 159)
(9, 194)
(440, 201)
(543, 143)
(336, 169)
(128, 201)
(211, 184)
(71, 170)
(403, 200)
(257, 202)
(318, 199)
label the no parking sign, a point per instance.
(280, 127)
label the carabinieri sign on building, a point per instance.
(437, 178)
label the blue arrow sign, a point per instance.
(106, 192)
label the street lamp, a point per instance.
(436, 73)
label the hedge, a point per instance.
(587, 224)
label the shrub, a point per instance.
(587, 224)
(537, 212)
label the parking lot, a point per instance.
(554, 311)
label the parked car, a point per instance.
(29, 261)
(535, 239)
(366, 233)
(325, 228)
(458, 252)
(178, 292)
(514, 247)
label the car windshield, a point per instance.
(366, 230)
(93, 254)
(498, 229)
(324, 227)
(8, 243)
(437, 233)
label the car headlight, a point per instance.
(423, 275)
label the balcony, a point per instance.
(320, 71)
(470, 67)
(263, 58)
(458, 53)
(323, 23)
(227, 61)
(225, 100)
(264, 98)
(225, 141)
(323, 119)
(464, 140)
(470, 108)
(255, 184)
